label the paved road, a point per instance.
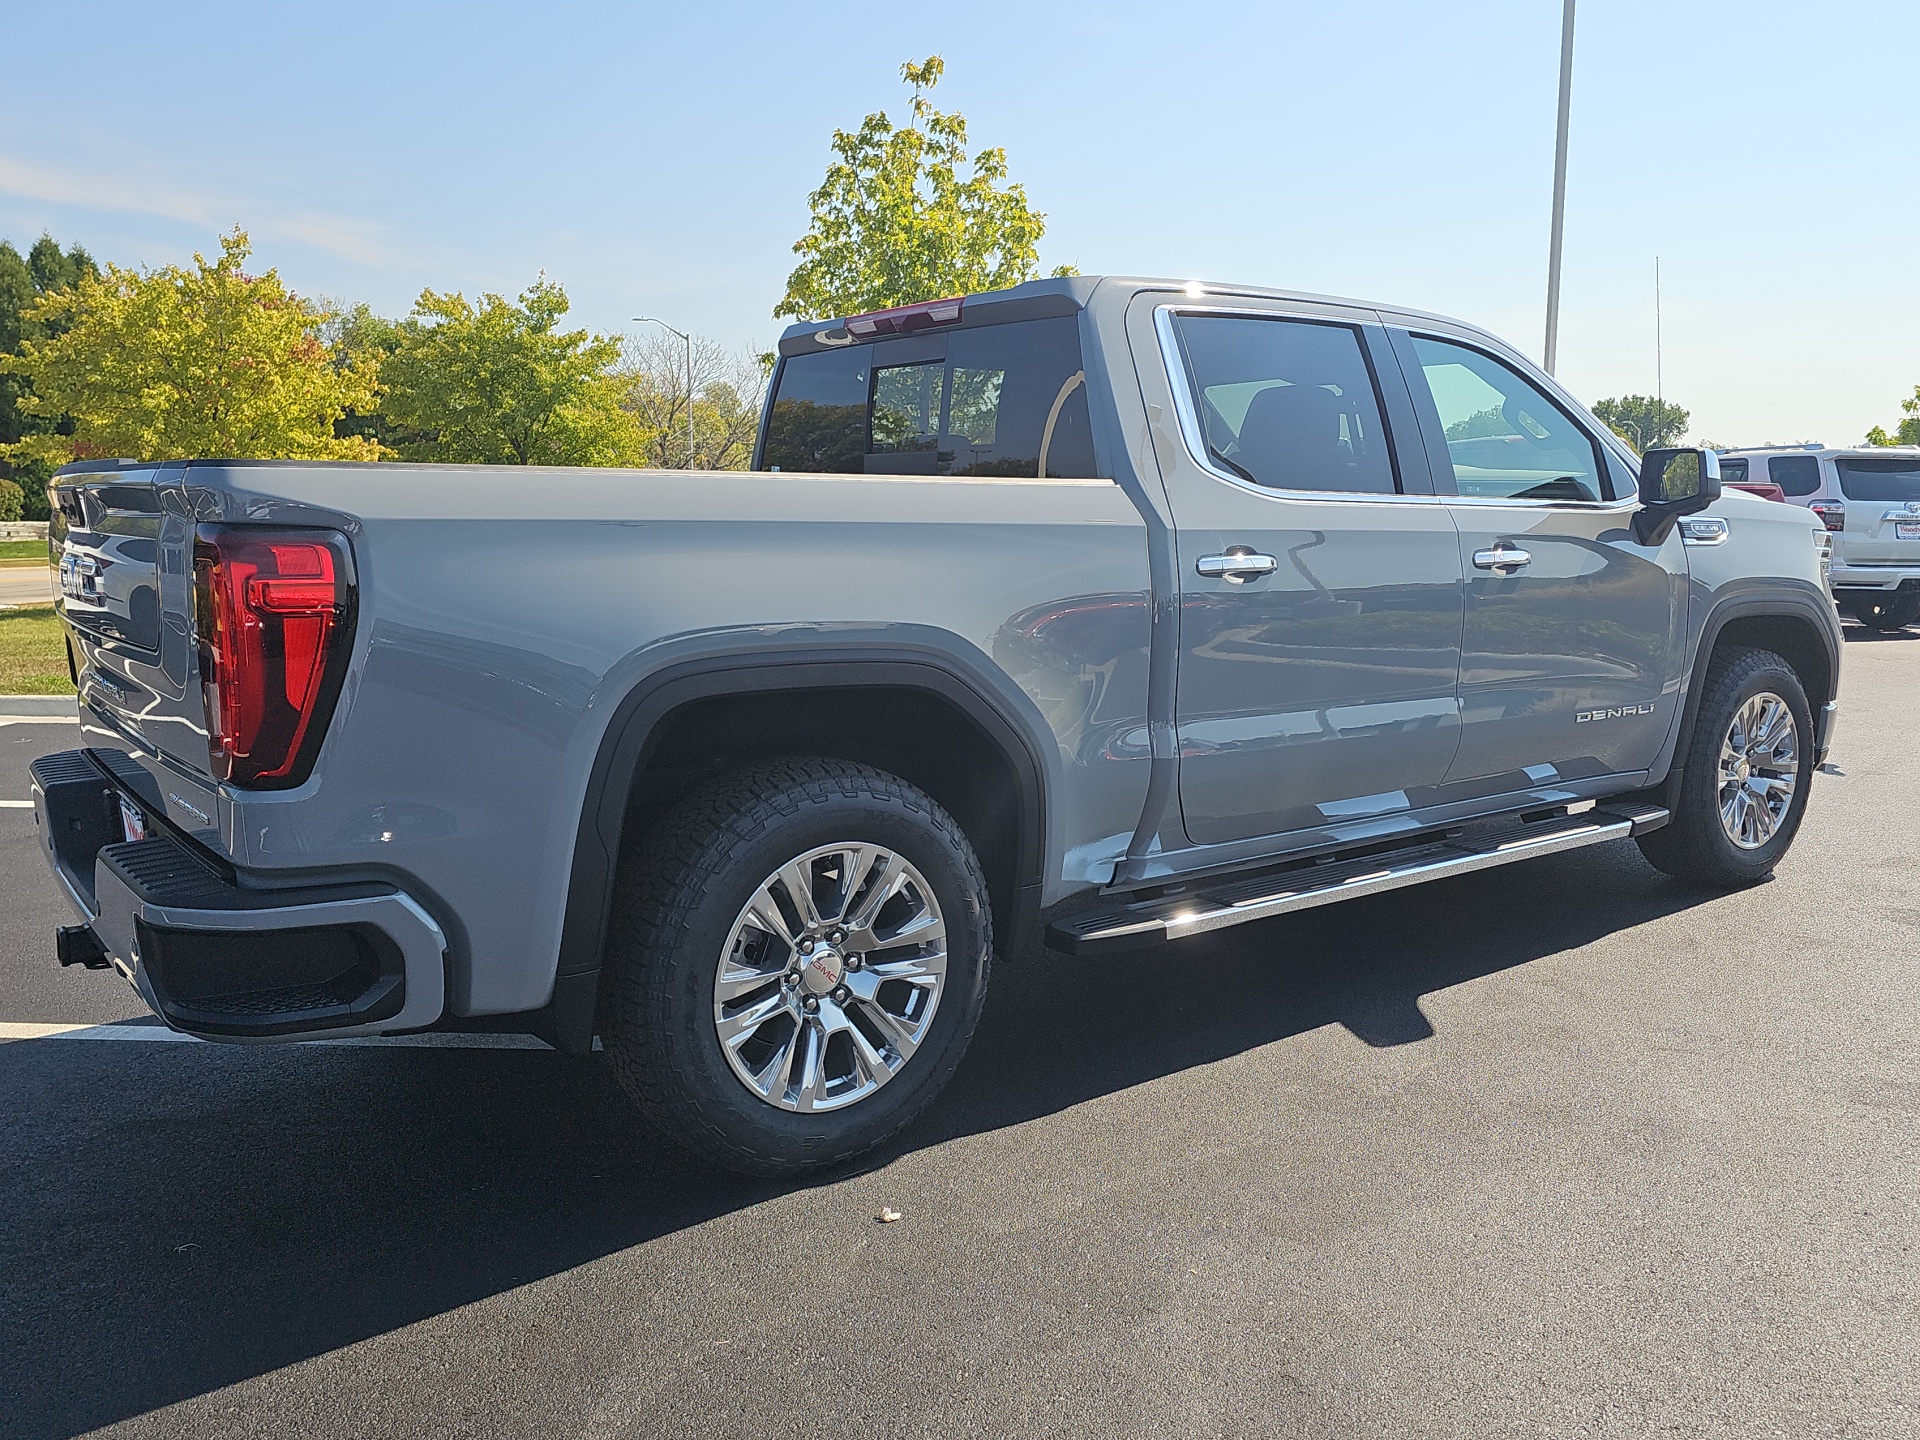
(1561, 1150)
(25, 585)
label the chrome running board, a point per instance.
(1236, 901)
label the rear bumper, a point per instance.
(221, 958)
(1875, 577)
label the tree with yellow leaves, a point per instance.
(178, 363)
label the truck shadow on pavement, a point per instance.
(175, 1219)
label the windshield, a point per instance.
(1894, 478)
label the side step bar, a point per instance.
(1235, 902)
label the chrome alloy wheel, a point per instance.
(830, 977)
(1759, 768)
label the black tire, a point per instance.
(679, 895)
(1695, 846)
(1894, 612)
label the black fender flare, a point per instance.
(631, 735)
(1775, 598)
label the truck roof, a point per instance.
(1066, 295)
(1829, 451)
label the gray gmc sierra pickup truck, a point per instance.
(1122, 609)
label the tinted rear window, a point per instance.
(985, 402)
(1795, 474)
(1876, 479)
(1733, 472)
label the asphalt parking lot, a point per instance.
(1566, 1149)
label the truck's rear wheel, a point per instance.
(798, 958)
(1748, 767)
(1891, 612)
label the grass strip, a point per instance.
(33, 652)
(31, 552)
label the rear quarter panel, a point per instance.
(493, 649)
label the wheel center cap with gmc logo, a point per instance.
(821, 971)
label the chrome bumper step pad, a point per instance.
(1236, 901)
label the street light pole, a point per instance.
(655, 320)
(1559, 187)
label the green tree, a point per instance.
(897, 222)
(1642, 421)
(1482, 423)
(356, 337)
(498, 383)
(1907, 432)
(171, 363)
(23, 280)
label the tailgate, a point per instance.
(1883, 509)
(126, 567)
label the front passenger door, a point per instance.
(1573, 647)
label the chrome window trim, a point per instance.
(1480, 502)
(1187, 414)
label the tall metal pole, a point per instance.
(1659, 380)
(1559, 188)
(656, 320)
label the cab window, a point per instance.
(995, 401)
(1288, 404)
(1505, 439)
(1794, 474)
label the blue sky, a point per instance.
(656, 159)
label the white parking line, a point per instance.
(28, 1030)
(39, 719)
(16, 804)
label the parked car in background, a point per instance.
(1870, 499)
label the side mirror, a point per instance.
(1673, 483)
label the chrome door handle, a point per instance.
(1237, 566)
(1502, 559)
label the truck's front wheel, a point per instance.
(1748, 766)
(798, 957)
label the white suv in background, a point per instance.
(1870, 500)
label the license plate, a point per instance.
(1906, 529)
(133, 825)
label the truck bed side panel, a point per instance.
(493, 649)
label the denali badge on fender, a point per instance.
(1614, 714)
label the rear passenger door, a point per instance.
(1320, 578)
(1573, 647)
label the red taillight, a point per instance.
(274, 611)
(1832, 513)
